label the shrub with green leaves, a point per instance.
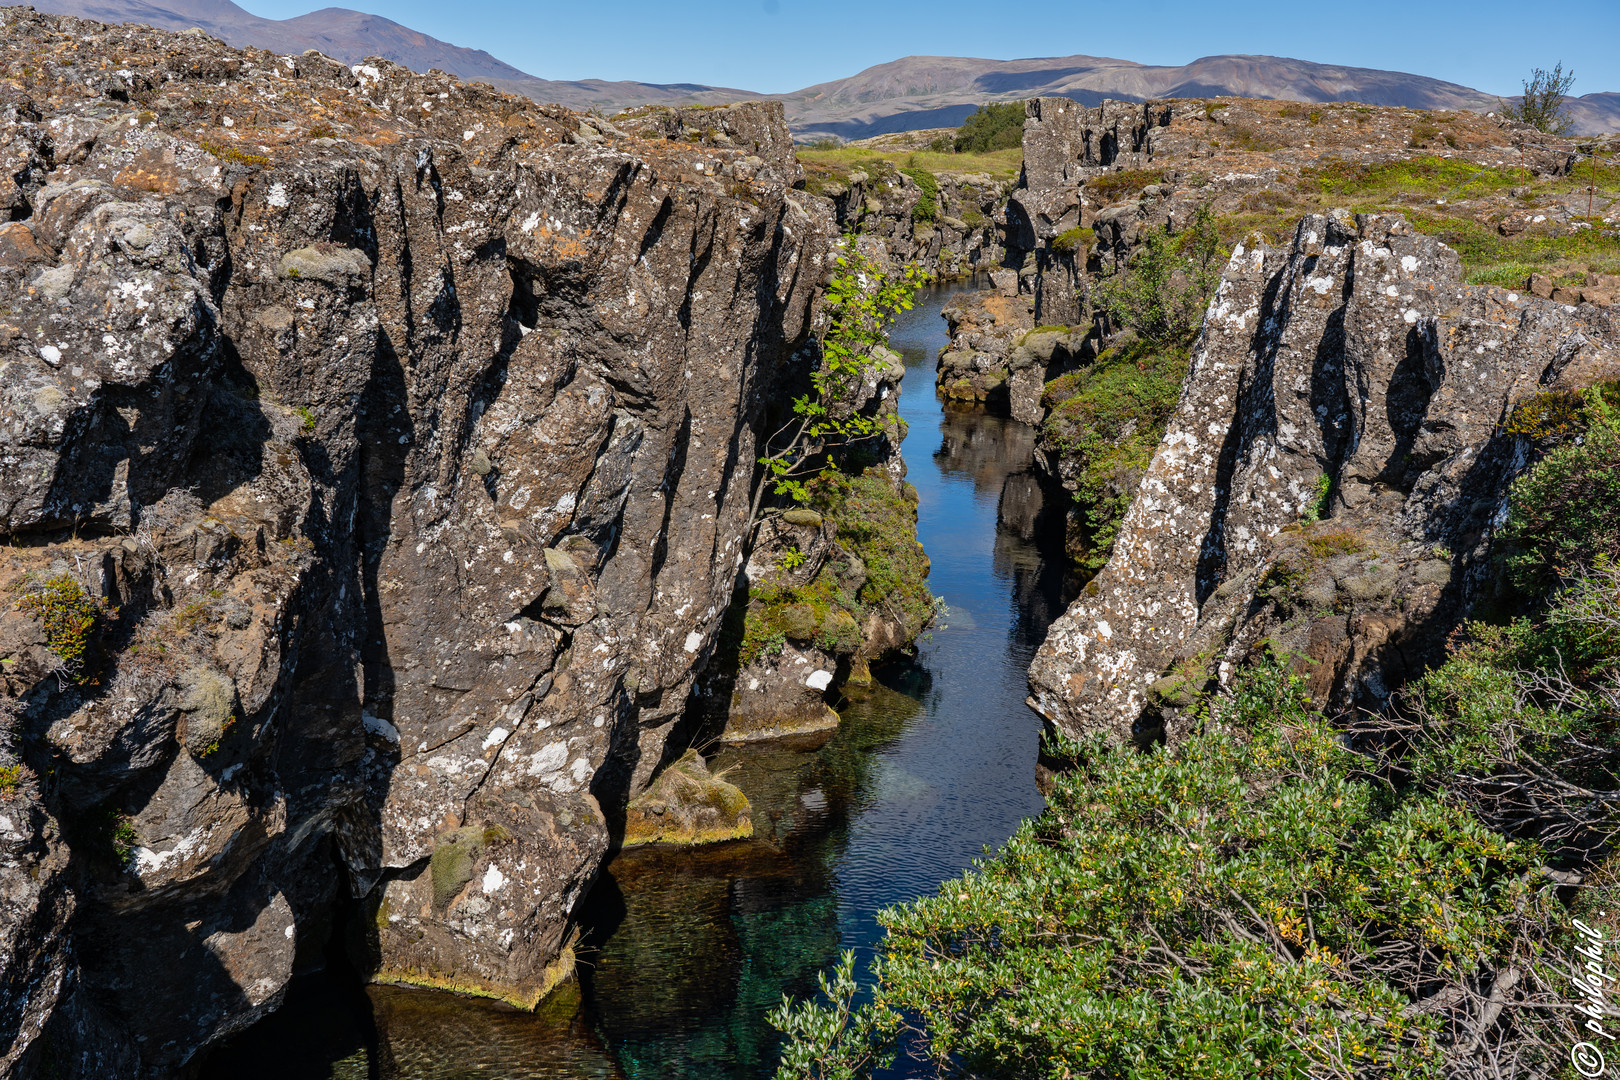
(1163, 290)
(1108, 418)
(862, 299)
(70, 617)
(927, 208)
(1542, 106)
(990, 127)
(1250, 905)
(1565, 512)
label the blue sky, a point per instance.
(779, 45)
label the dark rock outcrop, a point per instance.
(1350, 377)
(405, 429)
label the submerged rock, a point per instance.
(687, 804)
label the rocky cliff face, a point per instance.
(1329, 483)
(944, 222)
(384, 444)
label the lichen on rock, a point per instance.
(391, 446)
(1330, 483)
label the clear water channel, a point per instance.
(688, 948)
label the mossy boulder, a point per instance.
(455, 854)
(804, 518)
(325, 263)
(210, 707)
(687, 804)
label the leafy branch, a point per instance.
(862, 301)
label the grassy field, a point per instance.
(843, 160)
(1443, 198)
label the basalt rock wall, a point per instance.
(394, 439)
(1349, 377)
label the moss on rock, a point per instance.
(687, 804)
(527, 998)
(1108, 417)
(454, 855)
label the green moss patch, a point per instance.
(451, 865)
(1110, 415)
(877, 525)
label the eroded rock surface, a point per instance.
(405, 428)
(1351, 377)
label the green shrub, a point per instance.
(1109, 416)
(991, 127)
(1542, 106)
(1319, 504)
(877, 525)
(1146, 295)
(70, 616)
(927, 208)
(1565, 512)
(1244, 907)
(117, 835)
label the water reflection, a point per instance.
(693, 947)
(689, 949)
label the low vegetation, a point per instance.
(1286, 895)
(991, 127)
(927, 208)
(882, 569)
(1108, 418)
(70, 617)
(1162, 293)
(836, 164)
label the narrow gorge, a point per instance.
(415, 651)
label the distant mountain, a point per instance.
(351, 36)
(340, 33)
(938, 91)
(902, 95)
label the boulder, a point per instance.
(1329, 484)
(687, 804)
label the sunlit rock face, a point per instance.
(1329, 485)
(406, 430)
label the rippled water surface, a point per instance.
(689, 948)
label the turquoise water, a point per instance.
(689, 948)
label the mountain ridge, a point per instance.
(904, 94)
